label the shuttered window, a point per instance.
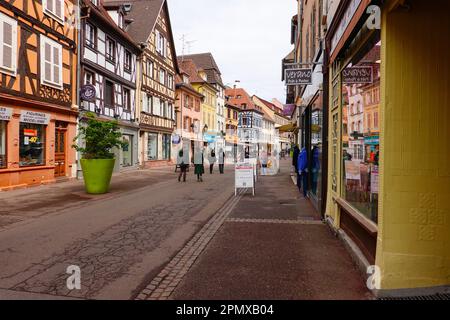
(8, 44)
(51, 62)
(54, 8)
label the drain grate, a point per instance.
(439, 296)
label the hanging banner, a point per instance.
(296, 77)
(5, 113)
(358, 75)
(34, 117)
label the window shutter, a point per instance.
(49, 5)
(46, 61)
(59, 8)
(56, 65)
(8, 43)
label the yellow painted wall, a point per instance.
(208, 107)
(414, 229)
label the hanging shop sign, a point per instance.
(88, 93)
(176, 139)
(5, 113)
(34, 117)
(344, 23)
(358, 75)
(296, 77)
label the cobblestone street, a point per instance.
(120, 240)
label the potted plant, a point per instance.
(97, 162)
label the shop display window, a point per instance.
(360, 133)
(32, 145)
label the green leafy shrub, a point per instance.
(100, 137)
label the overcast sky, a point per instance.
(248, 39)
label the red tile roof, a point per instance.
(239, 97)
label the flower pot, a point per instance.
(97, 174)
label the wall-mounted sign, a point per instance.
(34, 117)
(88, 93)
(345, 21)
(5, 113)
(358, 75)
(176, 139)
(296, 77)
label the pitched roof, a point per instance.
(144, 14)
(270, 105)
(238, 97)
(206, 62)
(189, 67)
(101, 13)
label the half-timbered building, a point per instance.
(109, 64)
(157, 68)
(38, 109)
(250, 119)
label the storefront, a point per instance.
(156, 141)
(388, 178)
(34, 147)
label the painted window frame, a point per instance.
(110, 57)
(53, 45)
(53, 13)
(3, 69)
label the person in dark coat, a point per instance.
(295, 155)
(181, 161)
(302, 169)
(212, 160)
(199, 161)
(221, 161)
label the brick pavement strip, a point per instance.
(302, 221)
(163, 285)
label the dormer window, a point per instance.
(185, 79)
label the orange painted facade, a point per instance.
(38, 89)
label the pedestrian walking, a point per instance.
(199, 168)
(212, 161)
(264, 162)
(303, 170)
(183, 164)
(295, 154)
(221, 161)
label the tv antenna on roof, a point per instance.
(186, 45)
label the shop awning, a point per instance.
(287, 128)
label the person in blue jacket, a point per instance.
(302, 169)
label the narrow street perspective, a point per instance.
(184, 155)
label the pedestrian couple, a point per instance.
(213, 159)
(199, 160)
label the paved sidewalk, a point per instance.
(271, 246)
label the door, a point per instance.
(60, 152)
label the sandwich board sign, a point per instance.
(244, 177)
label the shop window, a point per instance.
(127, 151)
(166, 146)
(3, 163)
(32, 145)
(152, 146)
(360, 148)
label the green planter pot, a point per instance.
(97, 174)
